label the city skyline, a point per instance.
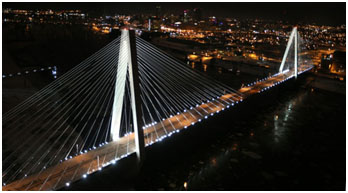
(323, 13)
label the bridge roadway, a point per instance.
(80, 166)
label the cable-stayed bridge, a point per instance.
(126, 96)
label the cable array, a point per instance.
(65, 118)
(72, 115)
(170, 88)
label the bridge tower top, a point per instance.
(293, 38)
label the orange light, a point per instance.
(253, 56)
(207, 58)
(205, 67)
(192, 57)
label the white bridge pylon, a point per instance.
(292, 39)
(127, 63)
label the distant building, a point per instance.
(149, 25)
(186, 16)
(213, 20)
(197, 15)
(339, 62)
(153, 24)
(326, 62)
(158, 11)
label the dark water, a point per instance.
(291, 139)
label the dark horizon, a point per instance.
(332, 14)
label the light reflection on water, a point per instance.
(285, 115)
(226, 161)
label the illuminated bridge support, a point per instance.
(293, 38)
(127, 63)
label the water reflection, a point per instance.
(283, 117)
(247, 156)
(185, 185)
(205, 66)
(245, 146)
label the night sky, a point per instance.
(319, 13)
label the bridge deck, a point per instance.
(75, 168)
